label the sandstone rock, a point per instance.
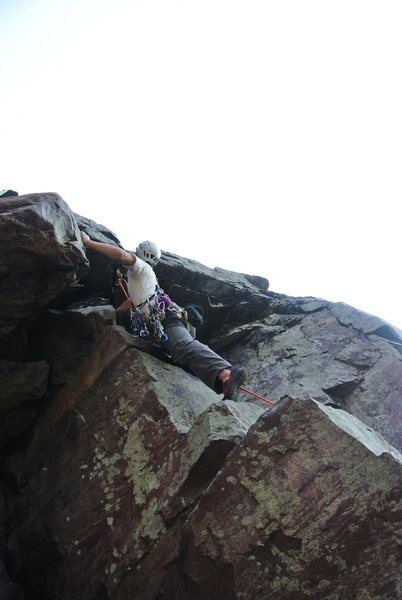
(40, 255)
(8, 589)
(141, 449)
(15, 422)
(366, 323)
(101, 276)
(299, 510)
(65, 338)
(96, 231)
(225, 296)
(14, 345)
(21, 382)
(377, 400)
(134, 480)
(324, 356)
(365, 435)
(209, 441)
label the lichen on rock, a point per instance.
(128, 478)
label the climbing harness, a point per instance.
(150, 327)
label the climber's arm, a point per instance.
(123, 308)
(114, 252)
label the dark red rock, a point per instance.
(21, 382)
(133, 480)
(300, 510)
(41, 254)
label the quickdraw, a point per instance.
(155, 325)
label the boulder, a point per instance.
(300, 509)
(226, 296)
(64, 339)
(322, 355)
(144, 440)
(101, 277)
(41, 254)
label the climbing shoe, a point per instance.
(231, 387)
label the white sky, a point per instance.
(262, 137)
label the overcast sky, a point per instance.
(262, 137)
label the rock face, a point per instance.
(303, 347)
(125, 477)
(309, 515)
(41, 255)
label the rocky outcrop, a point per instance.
(302, 347)
(305, 515)
(20, 383)
(142, 447)
(41, 255)
(124, 476)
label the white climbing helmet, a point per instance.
(149, 252)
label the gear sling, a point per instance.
(157, 306)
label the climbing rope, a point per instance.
(124, 290)
(256, 395)
(120, 280)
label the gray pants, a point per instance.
(185, 350)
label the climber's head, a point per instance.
(149, 252)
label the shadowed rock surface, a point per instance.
(125, 477)
(41, 255)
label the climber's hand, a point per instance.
(85, 238)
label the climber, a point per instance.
(214, 371)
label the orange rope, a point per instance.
(126, 294)
(256, 395)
